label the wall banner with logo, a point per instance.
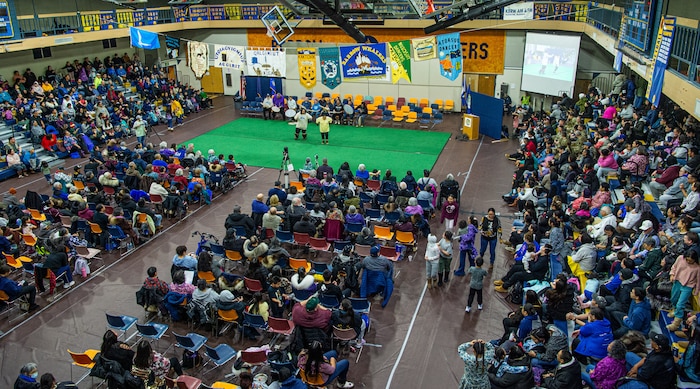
(450, 55)
(266, 62)
(330, 66)
(229, 57)
(307, 67)
(364, 61)
(400, 54)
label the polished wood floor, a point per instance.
(413, 341)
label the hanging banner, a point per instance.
(307, 67)
(144, 39)
(450, 55)
(364, 61)
(139, 16)
(266, 62)
(400, 54)
(108, 20)
(172, 46)
(217, 12)
(483, 52)
(181, 13)
(662, 50)
(330, 66)
(151, 17)
(230, 57)
(424, 48)
(519, 11)
(199, 13)
(198, 55)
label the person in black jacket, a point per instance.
(117, 351)
(537, 269)
(566, 376)
(656, 370)
(27, 377)
(304, 226)
(57, 261)
(242, 220)
(512, 371)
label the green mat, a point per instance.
(257, 142)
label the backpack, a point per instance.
(191, 359)
(515, 293)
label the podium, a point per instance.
(470, 126)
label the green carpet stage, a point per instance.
(257, 142)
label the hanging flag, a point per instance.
(144, 39)
(230, 57)
(307, 67)
(424, 48)
(364, 61)
(400, 54)
(172, 46)
(198, 55)
(330, 66)
(450, 55)
(466, 95)
(273, 88)
(662, 49)
(266, 62)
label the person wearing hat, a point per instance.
(376, 262)
(310, 314)
(675, 191)
(629, 219)
(656, 370)
(646, 230)
(139, 128)
(324, 126)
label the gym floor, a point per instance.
(413, 340)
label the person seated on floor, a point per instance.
(605, 373)
(535, 268)
(567, 374)
(511, 369)
(319, 369)
(638, 318)
(656, 370)
(583, 260)
(593, 338)
(16, 290)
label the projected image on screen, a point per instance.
(549, 64)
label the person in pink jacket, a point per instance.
(685, 275)
(606, 164)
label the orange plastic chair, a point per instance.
(95, 228)
(29, 239)
(36, 215)
(85, 360)
(298, 185)
(206, 276)
(405, 237)
(296, 263)
(79, 185)
(381, 232)
(424, 102)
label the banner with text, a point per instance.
(662, 50)
(230, 57)
(400, 54)
(330, 66)
(483, 52)
(519, 11)
(198, 55)
(307, 67)
(266, 62)
(424, 48)
(364, 61)
(450, 55)
(172, 46)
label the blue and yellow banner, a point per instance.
(108, 20)
(217, 12)
(307, 67)
(181, 13)
(139, 17)
(151, 17)
(662, 50)
(330, 66)
(364, 61)
(199, 13)
(400, 54)
(450, 55)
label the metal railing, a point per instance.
(606, 20)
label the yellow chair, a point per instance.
(377, 100)
(413, 101)
(347, 97)
(29, 239)
(85, 360)
(449, 106)
(405, 238)
(224, 385)
(206, 276)
(428, 110)
(359, 97)
(319, 95)
(391, 108)
(388, 101)
(335, 95)
(79, 185)
(439, 103)
(12, 262)
(424, 102)
(381, 232)
(405, 109)
(37, 215)
(411, 118)
(398, 117)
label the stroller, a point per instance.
(448, 188)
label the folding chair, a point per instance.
(406, 238)
(389, 252)
(118, 237)
(86, 360)
(152, 331)
(361, 305)
(279, 327)
(296, 263)
(339, 245)
(437, 119)
(11, 305)
(319, 267)
(183, 382)
(319, 244)
(191, 342)
(449, 105)
(382, 232)
(234, 257)
(302, 294)
(285, 236)
(29, 239)
(217, 250)
(374, 185)
(329, 301)
(392, 217)
(157, 202)
(254, 321)
(374, 215)
(121, 323)
(206, 276)
(254, 359)
(220, 355)
(66, 221)
(252, 285)
(230, 317)
(354, 228)
(88, 253)
(37, 215)
(343, 336)
(362, 250)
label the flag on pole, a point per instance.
(273, 88)
(144, 39)
(466, 95)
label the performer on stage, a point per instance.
(277, 105)
(324, 126)
(302, 119)
(267, 107)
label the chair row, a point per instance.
(442, 105)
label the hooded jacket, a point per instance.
(566, 376)
(557, 341)
(639, 317)
(512, 374)
(595, 337)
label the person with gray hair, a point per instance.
(607, 218)
(28, 375)
(238, 219)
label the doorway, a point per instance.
(213, 81)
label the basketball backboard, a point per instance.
(277, 25)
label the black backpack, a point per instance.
(515, 293)
(191, 359)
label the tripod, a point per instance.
(150, 131)
(284, 169)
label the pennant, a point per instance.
(172, 46)
(330, 66)
(230, 57)
(307, 67)
(450, 55)
(198, 54)
(424, 48)
(400, 54)
(144, 39)
(368, 61)
(273, 88)
(266, 62)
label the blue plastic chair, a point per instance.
(240, 231)
(284, 236)
(353, 228)
(191, 342)
(339, 245)
(152, 331)
(121, 323)
(373, 214)
(329, 301)
(392, 217)
(220, 355)
(361, 305)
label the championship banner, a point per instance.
(108, 20)
(230, 57)
(519, 11)
(364, 61)
(662, 50)
(400, 54)
(217, 12)
(307, 67)
(330, 66)
(172, 46)
(181, 13)
(139, 17)
(199, 13)
(266, 62)
(151, 17)
(198, 55)
(424, 48)
(450, 55)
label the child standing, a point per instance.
(450, 212)
(445, 245)
(432, 257)
(46, 171)
(476, 284)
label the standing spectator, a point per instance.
(593, 338)
(445, 246)
(432, 259)
(466, 245)
(490, 229)
(685, 275)
(324, 126)
(450, 213)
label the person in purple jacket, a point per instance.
(466, 246)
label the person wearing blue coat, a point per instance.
(638, 316)
(593, 338)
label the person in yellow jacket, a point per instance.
(324, 126)
(177, 112)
